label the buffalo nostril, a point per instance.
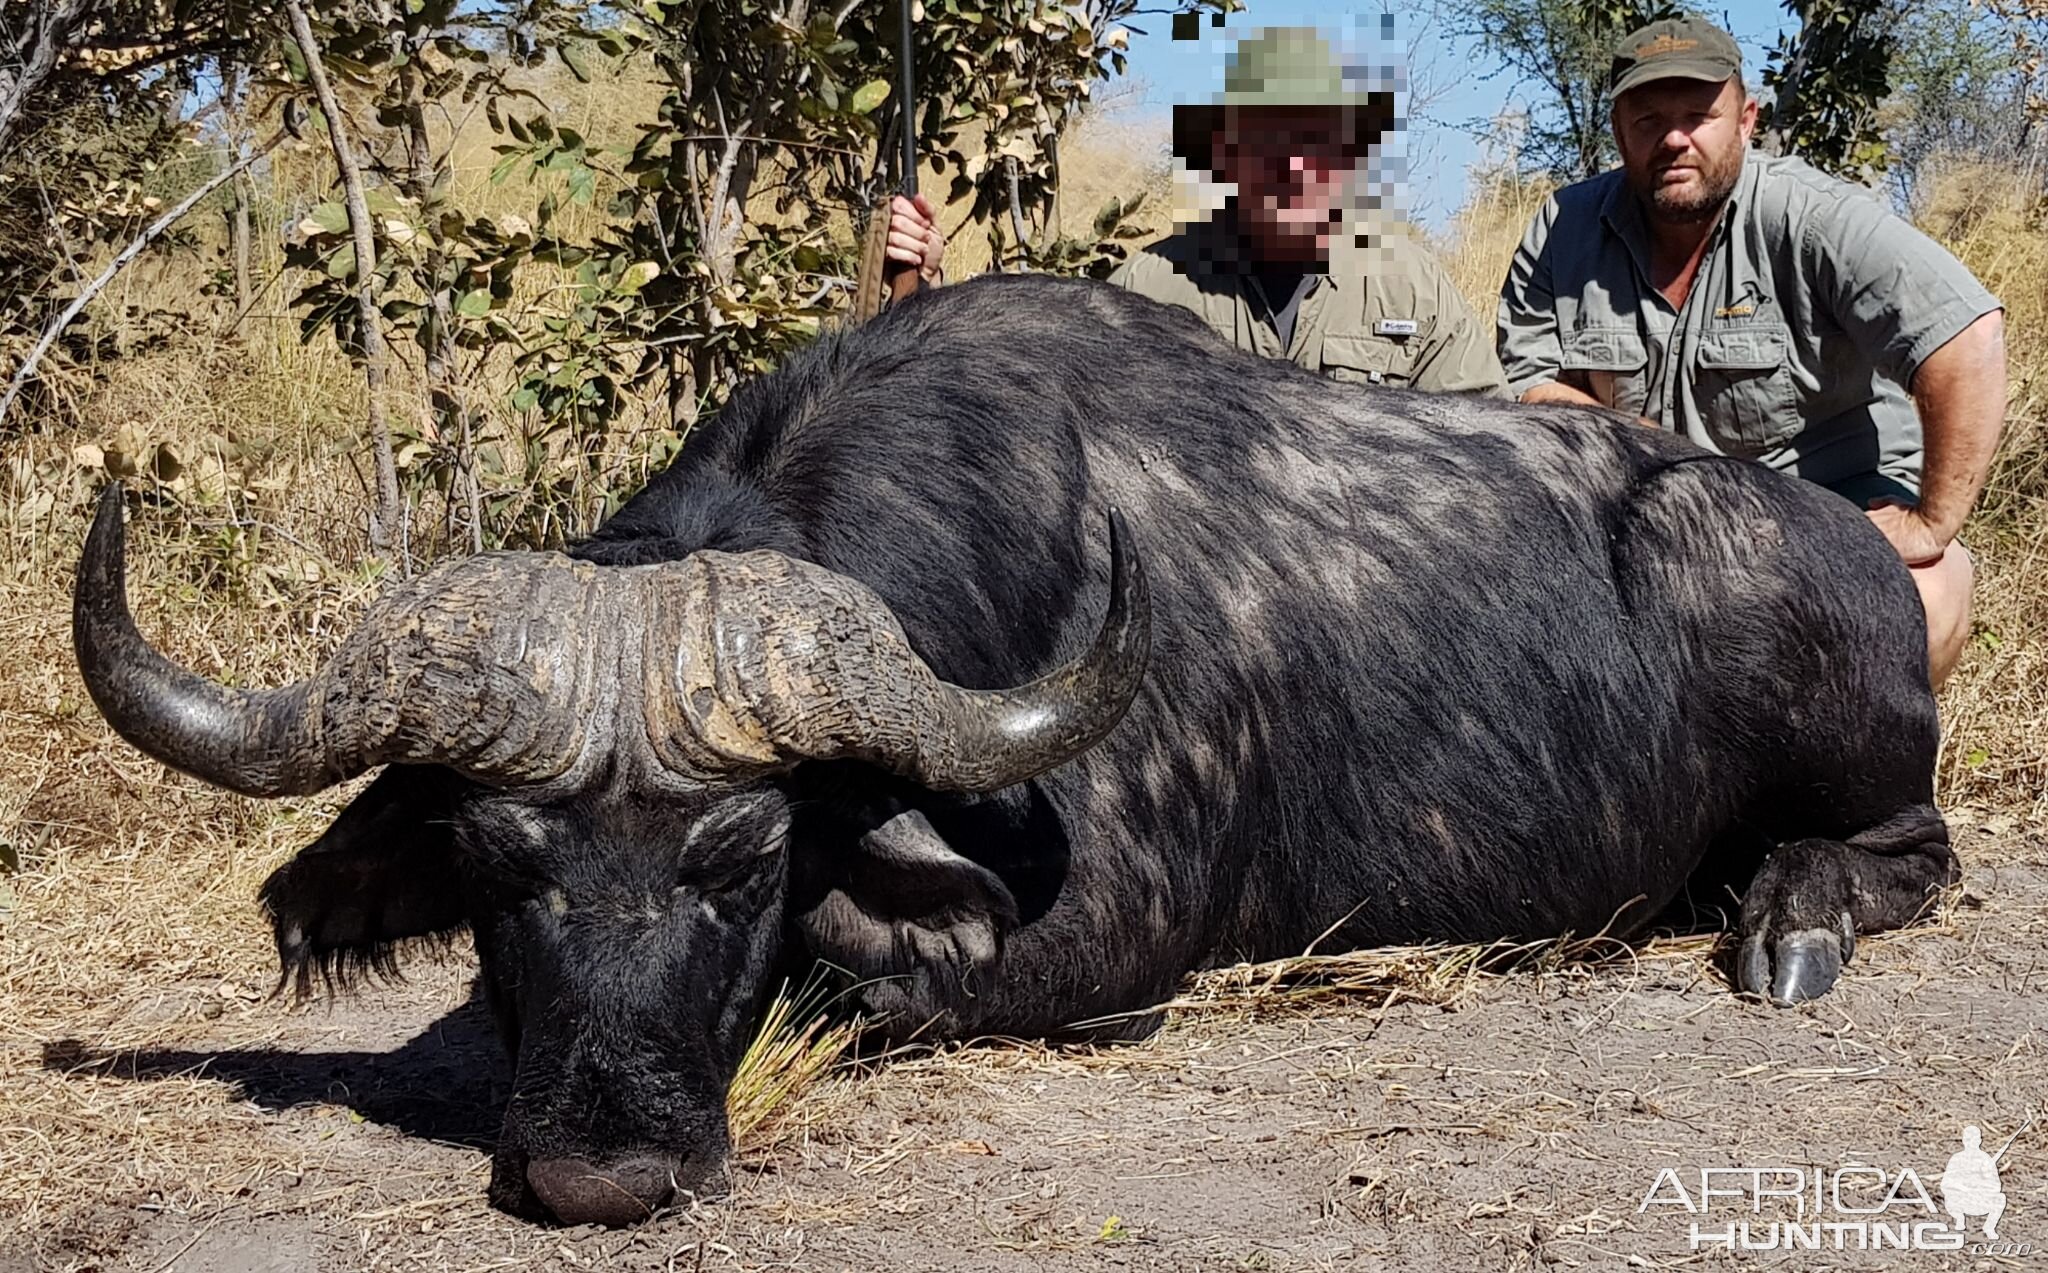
(625, 1192)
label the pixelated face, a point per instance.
(1682, 143)
(1290, 166)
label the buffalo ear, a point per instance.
(385, 873)
(915, 921)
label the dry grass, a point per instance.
(128, 924)
(799, 1042)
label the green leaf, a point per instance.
(474, 304)
(572, 57)
(503, 168)
(638, 275)
(869, 95)
(331, 217)
(343, 262)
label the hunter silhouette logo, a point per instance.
(1853, 1207)
(1969, 1184)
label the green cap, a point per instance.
(1674, 49)
(1282, 66)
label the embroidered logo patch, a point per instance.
(1664, 45)
(1396, 327)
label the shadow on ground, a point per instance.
(428, 1087)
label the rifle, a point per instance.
(2010, 1139)
(876, 269)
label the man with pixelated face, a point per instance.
(1280, 269)
(1273, 272)
(1765, 310)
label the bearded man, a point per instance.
(1765, 310)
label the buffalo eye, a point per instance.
(734, 859)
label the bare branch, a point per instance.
(388, 513)
(120, 262)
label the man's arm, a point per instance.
(1460, 357)
(1960, 391)
(1531, 355)
(1926, 322)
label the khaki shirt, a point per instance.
(1394, 318)
(1813, 307)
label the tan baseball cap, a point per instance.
(1674, 49)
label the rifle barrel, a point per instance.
(2010, 1139)
(906, 94)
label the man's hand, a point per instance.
(1555, 391)
(1915, 538)
(1559, 392)
(914, 238)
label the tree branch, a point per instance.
(120, 262)
(387, 514)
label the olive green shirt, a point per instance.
(1813, 307)
(1390, 316)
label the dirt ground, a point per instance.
(1518, 1126)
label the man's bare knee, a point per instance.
(1945, 585)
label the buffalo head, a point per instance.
(606, 773)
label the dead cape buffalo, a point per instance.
(871, 676)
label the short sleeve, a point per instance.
(1461, 357)
(1530, 351)
(1897, 294)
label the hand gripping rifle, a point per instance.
(876, 269)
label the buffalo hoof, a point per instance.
(1796, 929)
(624, 1193)
(1793, 967)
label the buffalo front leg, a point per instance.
(1811, 898)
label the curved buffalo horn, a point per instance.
(782, 659)
(479, 666)
(519, 669)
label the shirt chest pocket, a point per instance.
(1742, 385)
(1374, 360)
(1613, 365)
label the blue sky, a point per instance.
(1473, 87)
